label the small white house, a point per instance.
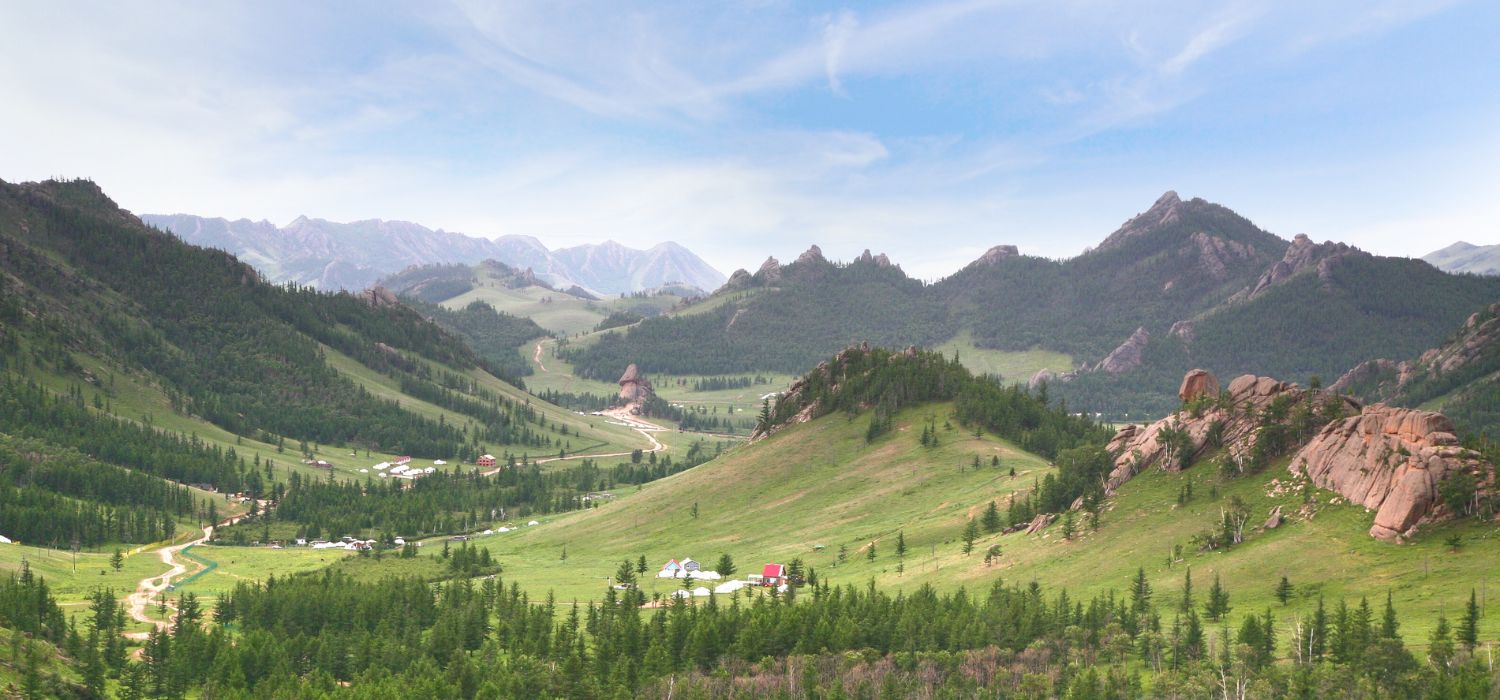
(690, 565)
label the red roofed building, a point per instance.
(401, 460)
(486, 461)
(772, 575)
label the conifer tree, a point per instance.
(1468, 629)
(991, 519)
(1283, 590)
(1217, 605)
(901, 544)
(1440, 646)
(1140, 592)
(1389, 627)
(971, 532)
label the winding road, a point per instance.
(537, 358)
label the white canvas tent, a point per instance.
(702, 592)
(730, 586)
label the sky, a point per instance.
(929, 130)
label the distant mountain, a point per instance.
(333, 256)
(1467, 257)
(1185, 284)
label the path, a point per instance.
(645, 428)
(152, 586)
(537, 358)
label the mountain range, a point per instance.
(1467, 257)
(352, 256)
(1185, 284)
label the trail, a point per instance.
(537, 358)
(645, 428)
(151, 586)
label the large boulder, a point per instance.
(1198, 382)
(1389, 460)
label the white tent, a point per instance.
(706, 575)
(702, 592)
(729, 586)
(438, 462)
(503, 529)
(679, 593)
(532, 523)
(5, 540)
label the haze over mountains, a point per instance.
(1467, 257)
(333, 256)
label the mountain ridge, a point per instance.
(354, 255)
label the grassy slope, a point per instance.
(820, 484)
(1012, 366)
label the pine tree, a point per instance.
(901, 544)
(870, 553)
(1284, 590)
(1140, 592)
(726, 565)
(1389, 627)
(1468, 629)
(1068, 527)
(640, 566)
(1440, 646)
(971, 532)
(1318, 642)
(117, 560)
(1217, 605)
(991, 519)
(1187, 590)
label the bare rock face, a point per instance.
(1040, 522)
(1215, 254)
(1138, 448)
(1198, 382)
(739, 280)
(999, 253)
(876, 260)
(1167, 210)
(1300, 256)
(379, 297)
(770, 271)
(1126, 357)
(635, 390)
(811, 255)
(1042, 375)
(1184, 331)
(1389, 460)
(1274, 520)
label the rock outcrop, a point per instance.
(1127, 356)
(811, 255)
(1473, 350)
(1389, 460)
(1302, 255)
(635, 390)
(998, 254)
(1196, 383)
(770, 271)
(379, 297)
(877, 260)
(1217, 254)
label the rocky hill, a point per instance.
(1467, 257)
(1393, 461)
(333, 256)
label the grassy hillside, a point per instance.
(819, 483)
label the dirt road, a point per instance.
(537, 358)
(621, 415)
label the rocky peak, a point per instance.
(635, 390)
(811, 255)
(876, 260)
(770, 270)
(1167, 210)
(995, 255)
(1216, 254)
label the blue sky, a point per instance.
(927, 130)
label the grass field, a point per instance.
(1012, 366)
(237, 564)
(820, 484)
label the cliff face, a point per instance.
(1390, 460)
